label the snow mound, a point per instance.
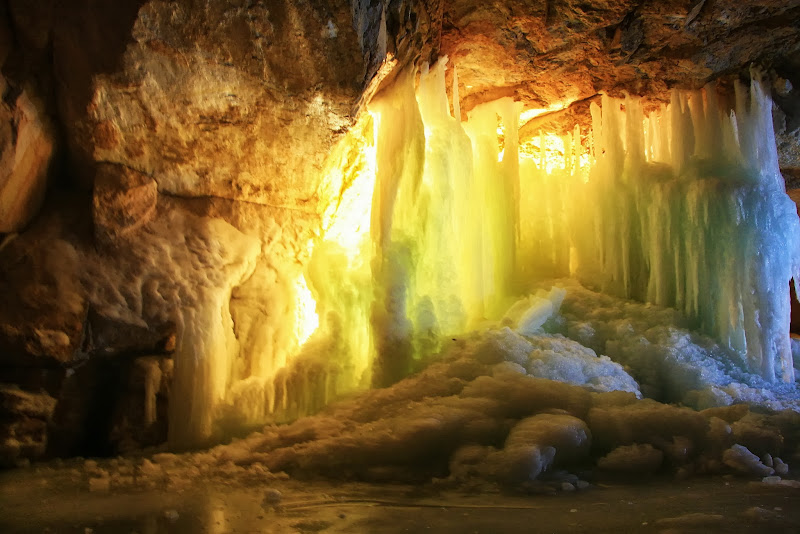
(670, 362)
(476, 414)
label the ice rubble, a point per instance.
(670, 362)
(475, 416)
(505, 408)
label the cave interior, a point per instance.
(482, 245)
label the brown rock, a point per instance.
(26, 147)
(569, 50)
(24, 417)
(42, 319)
(123, 201)
(239, 101)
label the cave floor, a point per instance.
(31, 501)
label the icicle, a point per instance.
(434, 226)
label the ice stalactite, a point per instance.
(207, 348)
(691, 212)
(684, 207)
(445, 199)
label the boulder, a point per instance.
(24, 416)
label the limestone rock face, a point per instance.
(123, 201)
(239, 100)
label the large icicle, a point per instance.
(682, 208)
(701, 223)
(207, 347)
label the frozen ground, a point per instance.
(48, 500)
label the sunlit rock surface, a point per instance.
(235, 101)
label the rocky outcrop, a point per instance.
(242, 100)
(26, 148)
(235, 100)
(562, 51)
(24, 417)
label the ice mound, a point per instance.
(670, 362)
(532, 447)
(501, 408)
(523, 407)
(468, 418)
(550, 356)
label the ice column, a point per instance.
(207, 347)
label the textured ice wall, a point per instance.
(181, 269)
(437, 227)
(683, 208)
(691, 212)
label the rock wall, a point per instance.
(190, 128)
(27, 134)
(566, 50)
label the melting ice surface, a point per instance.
(441, 230)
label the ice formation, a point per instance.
(200, 261)
(468, 419)
(683, 208)
(434, 228)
